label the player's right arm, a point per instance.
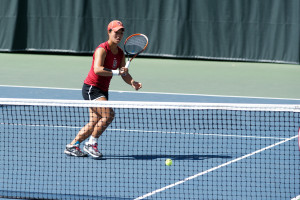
(100, 56)
(99, 68)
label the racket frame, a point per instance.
(133, 55)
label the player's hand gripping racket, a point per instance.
(134, 45)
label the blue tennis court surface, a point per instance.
(212, 163)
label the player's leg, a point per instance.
(89, 93)
(87, 130)
(105, 117)
(73, 148)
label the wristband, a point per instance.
(115, 72)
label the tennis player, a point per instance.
(108, 61)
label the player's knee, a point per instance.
(93, 121)
(110, 117)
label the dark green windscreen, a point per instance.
(249, 30)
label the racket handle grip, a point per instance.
(127, 64)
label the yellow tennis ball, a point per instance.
(169, 162)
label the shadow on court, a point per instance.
(173, 157)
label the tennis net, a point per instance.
(219, 151)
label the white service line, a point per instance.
(151, 131)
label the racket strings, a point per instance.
(136, 44)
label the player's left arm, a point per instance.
(128, 78)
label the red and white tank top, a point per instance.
(112, 61)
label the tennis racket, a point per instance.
(134, 45)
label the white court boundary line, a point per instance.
(181, 94)
(296, 198)
(213, 169)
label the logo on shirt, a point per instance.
(115, 63)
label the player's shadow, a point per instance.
(173, 157)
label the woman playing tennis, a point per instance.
(108, 61)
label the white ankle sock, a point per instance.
(92, 140)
